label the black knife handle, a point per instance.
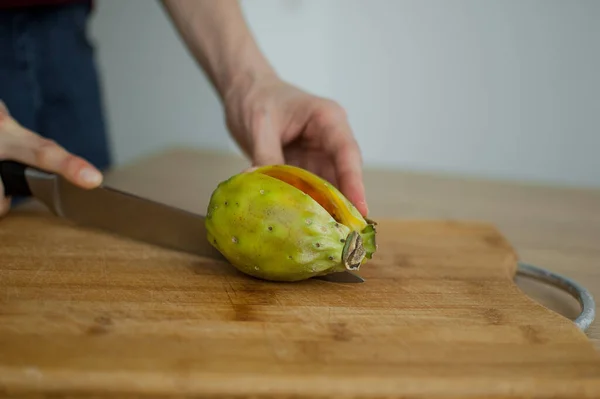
(12, 175)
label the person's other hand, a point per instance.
(22, 145)
(276, 123)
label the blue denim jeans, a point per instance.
(49, 80)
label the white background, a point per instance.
(501, 89)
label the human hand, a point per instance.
(275, 123)
(22, 145)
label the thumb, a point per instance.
(3, 108)
(266, 149)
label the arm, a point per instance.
(272, 121)
(217, 36)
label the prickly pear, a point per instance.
(284, 223)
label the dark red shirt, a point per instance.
(31, 3)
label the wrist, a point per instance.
(242, 79)
(239, 66)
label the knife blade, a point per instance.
(111, 210)
(120, 213)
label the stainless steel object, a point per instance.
(583, 296)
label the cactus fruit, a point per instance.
(283, 223)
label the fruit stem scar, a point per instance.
(353, 252)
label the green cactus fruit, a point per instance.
(283, 223)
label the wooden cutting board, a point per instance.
(83, 312)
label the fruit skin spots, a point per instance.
(265, 224)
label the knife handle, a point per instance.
(12, 176)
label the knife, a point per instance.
(120, 213)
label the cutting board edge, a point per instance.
(269, 385)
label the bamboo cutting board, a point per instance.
(84, 313)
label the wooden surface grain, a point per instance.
(555, 228)
(83, 312)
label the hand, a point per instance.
(275, 123)
(22, 145)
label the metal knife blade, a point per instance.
(128, 215)
(122, 213)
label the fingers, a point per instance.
(339, 143)
(266, 146)
(22, 145)
(348, 167)
(315, 161)
(329, 129)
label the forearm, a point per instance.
(219, 39)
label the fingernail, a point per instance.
(90, 176)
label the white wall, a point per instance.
(496, 88)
